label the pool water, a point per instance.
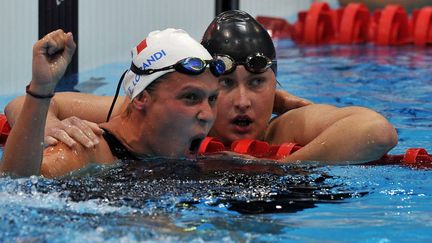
(180, 200)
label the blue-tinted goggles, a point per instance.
(189, 65)
(255, 63)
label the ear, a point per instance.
(142, 101)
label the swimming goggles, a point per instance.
(255, 63)
(189, 65)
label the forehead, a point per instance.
(241, 73)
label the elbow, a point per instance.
(8, 109)
(393, 137)
(384, 134)
(381, 135)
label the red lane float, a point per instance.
(393, 27)
(415, 157)
(422, 24)
(256, 148)
(4, 129)
(318, 25)
(354, 27)
(354, 24)
(278, 27)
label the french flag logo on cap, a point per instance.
(141, 46)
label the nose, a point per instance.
(206, 114)
(241, 99)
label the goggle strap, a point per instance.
(274, 67)
(115, 96)
(136, 70)
(139, 71)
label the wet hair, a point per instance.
(237, 34)
(151, 88)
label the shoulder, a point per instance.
(60, 159)
(296, 124)
(320, 113)
(303, 124)
(302, 113)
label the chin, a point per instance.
(246, 136)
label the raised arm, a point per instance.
(334, 135)
(22, 154)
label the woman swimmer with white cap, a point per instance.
(172, 106)
(247, 98)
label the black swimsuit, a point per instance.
(117, 148)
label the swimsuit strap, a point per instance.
(117, 148)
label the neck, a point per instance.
(131, 132)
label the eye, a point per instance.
(256, 82)
(212, 99)
(226, 83)
(191, 98)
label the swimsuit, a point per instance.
(117, 148)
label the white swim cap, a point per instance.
(160, 49)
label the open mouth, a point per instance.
(195, 144)
(242, 121)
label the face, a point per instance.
(181, 113)
(245, 105)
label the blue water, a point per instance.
(182, 201)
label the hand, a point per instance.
(51, 56)
(285, 101)
(71, 131)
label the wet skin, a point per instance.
(183, 109)
(245, 104)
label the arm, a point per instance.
(71, 117)
(333, 134)
(67, 104)
(23, 150)
(285, 101)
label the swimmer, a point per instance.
(246, 100)
(171, 106)
(327, 133)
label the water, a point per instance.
(184, 201)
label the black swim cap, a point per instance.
(237, 34)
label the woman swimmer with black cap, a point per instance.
(176, 95)
(247, 93)
(247, 97)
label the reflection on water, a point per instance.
(241, 186)
(142, 197)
